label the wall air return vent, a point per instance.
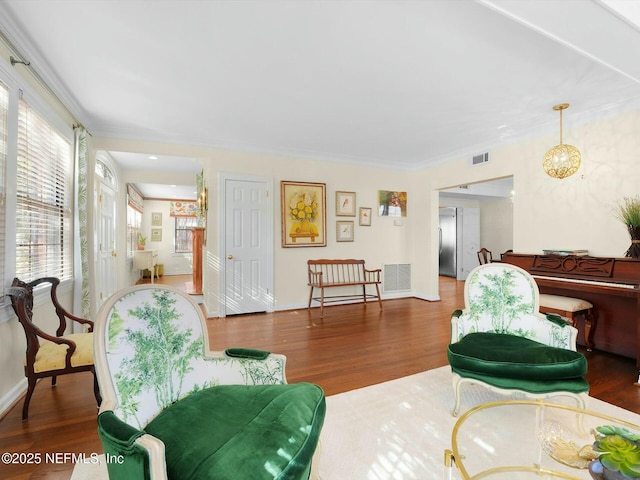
(479, 159)
(396, 277)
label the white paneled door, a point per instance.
(248, 245)
(106, 228)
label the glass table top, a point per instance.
(526, 439)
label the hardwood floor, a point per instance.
(352, 347)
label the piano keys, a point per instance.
(612, 285)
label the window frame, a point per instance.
(186, 228)
(43, 200)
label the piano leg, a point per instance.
(590, 323)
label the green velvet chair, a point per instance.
(173, 409)
(501, 341)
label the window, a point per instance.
(44, 192)
(4, 107)
(184, 226)
(105, 173)
(134, 222)
(134, 218)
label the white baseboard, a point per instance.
(429, 298)
(12, 397)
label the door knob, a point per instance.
(230, 257)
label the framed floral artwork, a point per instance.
(346, 204)
(303, 214)
(364, 216)
(344, 231)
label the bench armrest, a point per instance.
(315, 278)
(372, 275)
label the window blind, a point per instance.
(183, 234)
(44, 191)
(4, 108)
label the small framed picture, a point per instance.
(392, 203)
(156, 234)
(364, 216)
(156, 219)
(346, 204)
(344, 231)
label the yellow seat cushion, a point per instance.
(567, 304)
(51, 355)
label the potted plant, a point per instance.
(628, 212)
(142, 240)
(619, 451)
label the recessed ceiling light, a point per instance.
(152, 157)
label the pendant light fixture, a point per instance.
(562, 160)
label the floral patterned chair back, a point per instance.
(151, 351)
(503, 298)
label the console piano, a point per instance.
(612, 285)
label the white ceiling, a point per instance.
(161, 163)
(400, 83)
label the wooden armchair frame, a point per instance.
(21, 294)
(484, 256)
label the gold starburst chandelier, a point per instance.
(562, 160)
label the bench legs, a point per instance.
(364, 298)
(379, 298)
(321, 301)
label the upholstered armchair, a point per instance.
(50, 355)
(501, 341)
(173, 409)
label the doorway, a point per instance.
(493, 202)
(105, 190)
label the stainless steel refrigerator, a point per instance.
(459, 241)
(448, 241)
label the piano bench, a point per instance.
(571, 308)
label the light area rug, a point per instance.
(397, 430)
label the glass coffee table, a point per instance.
(527, 439)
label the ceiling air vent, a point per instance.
(480, 159)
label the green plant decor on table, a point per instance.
(628, 212)
(619, 452)
(142, 240)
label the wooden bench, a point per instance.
(341, 273)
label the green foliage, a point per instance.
(141, 239)
(501, 302)
(162, 354)
(620, 450)
(628, 211)
(258, 373)
(116, 326)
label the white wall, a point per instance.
(547, 212)
(496, 225)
